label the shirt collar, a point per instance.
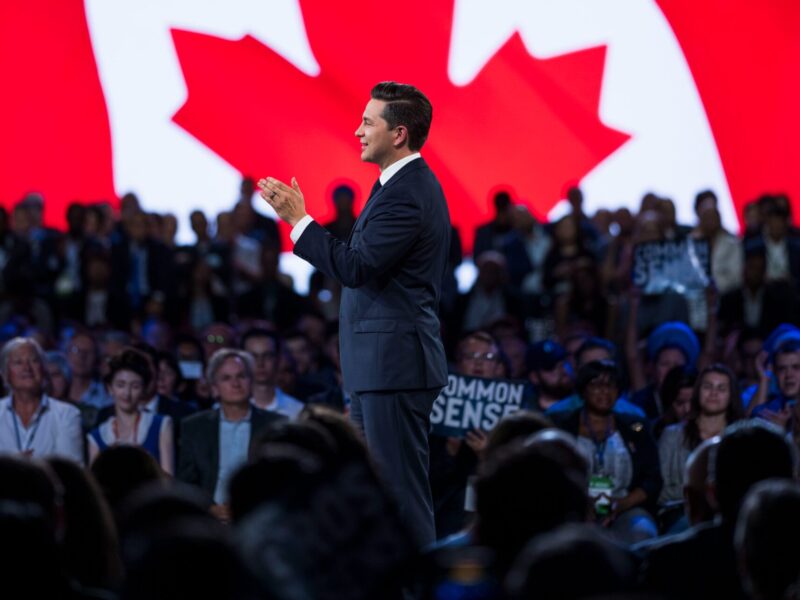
(44, 404)
(392, 169)
(246, 419)
(151, 406)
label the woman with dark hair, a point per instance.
(621, 453)
(128, 377)
(715, 404)
(169, 381)
(676, 397)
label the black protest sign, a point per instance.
(469, 403)
(676, 265)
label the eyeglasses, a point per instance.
(215, 339)
(601, 386)
(480, 356)
(80, 351)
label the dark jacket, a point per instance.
(198, 459)
(636, 434)
(698, 563)
(392, 270)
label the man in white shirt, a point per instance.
(31, 423)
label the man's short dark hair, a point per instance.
(703, 196)
(343, 190)
(407, 106)
(502, 201)
(260, 332)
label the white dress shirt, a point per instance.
(55, 430)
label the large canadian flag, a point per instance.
(176, 99)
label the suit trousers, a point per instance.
(396, 426)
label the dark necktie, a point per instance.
(375, 189)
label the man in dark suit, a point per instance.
(216, 442)
(392, 268)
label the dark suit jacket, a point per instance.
(198, 460)
(392, 270)
(698, 563)
(778, 305)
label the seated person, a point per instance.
(701, 562)
(672, 344)
(676, 397)
(128, 377)
(216, 442)
(623, 459)
(31, 422)
(591, 349)
(714, 405)
(550, 373)
(265, 348)
(780, 407)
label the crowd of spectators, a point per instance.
(174, 422)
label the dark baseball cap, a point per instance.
(545, 355)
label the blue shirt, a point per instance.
(775, 403)
(284, 404)
(234, 444)
(96, 395)
(574, 402)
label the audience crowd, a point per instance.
(174, 422)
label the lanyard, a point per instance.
(36, 420)
(599, 446)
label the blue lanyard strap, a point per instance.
(36, 420)
(599, 446)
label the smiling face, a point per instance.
(600, 395)
(25, 370)
(378, 142)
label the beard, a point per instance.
(560, 390)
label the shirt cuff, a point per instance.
(299, 228)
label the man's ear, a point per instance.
(400, 136)
(533, 376)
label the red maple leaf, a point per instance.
(526, 123)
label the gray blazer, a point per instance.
(392, 269)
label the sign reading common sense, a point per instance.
(468, 403)
(675, 265)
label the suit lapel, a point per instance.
(213, 437)
(377, 189)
